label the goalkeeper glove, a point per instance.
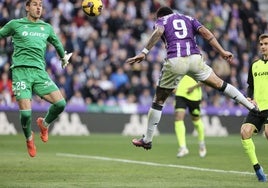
(65, 59)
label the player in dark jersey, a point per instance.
(178, 31)
(30, 36)
(258, 93)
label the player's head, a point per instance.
(34, 9)
(163, 11)
(263, 41)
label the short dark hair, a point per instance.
(163, 11)
(263, 36)
(28, 2)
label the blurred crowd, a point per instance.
(98, 73)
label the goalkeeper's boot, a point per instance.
(260, 175)
(183, 151)
(43, 129)
(141, 143)
(31, 146)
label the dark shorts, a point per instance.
(257, 119)
(183, 103)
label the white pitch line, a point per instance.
(151, 163)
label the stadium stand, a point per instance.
(97, 73)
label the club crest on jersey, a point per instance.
(42, 28)
(25, 33)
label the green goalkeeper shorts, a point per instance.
(29, 80)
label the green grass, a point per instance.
(110, 160)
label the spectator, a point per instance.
(77, 99)
(6, 92)
(145, 98)
(120, 80)
(106, 40)
(91, 92)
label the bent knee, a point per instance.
(247, 130)
(266, 131)
(266, 135)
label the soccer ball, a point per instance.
(92, 7)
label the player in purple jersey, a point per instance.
(178, 32)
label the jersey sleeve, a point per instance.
(196, 24)
(7, 29)
(250, 88)
(55, 41)
(161, 21)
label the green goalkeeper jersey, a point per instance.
(30, 42)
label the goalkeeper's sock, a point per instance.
(249, 148)
(180, 133)
(25, 120)
(199, 127)
(54, 111)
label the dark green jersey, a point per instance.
(257, 83)
(30, 41)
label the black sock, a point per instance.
(256, 167)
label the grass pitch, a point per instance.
(110, 160)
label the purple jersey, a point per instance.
(179, 34)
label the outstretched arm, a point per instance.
(55, 41)
(206, 34)
(7, 29)
(191, 89)
(156, 35)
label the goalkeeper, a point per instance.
(30, 36)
